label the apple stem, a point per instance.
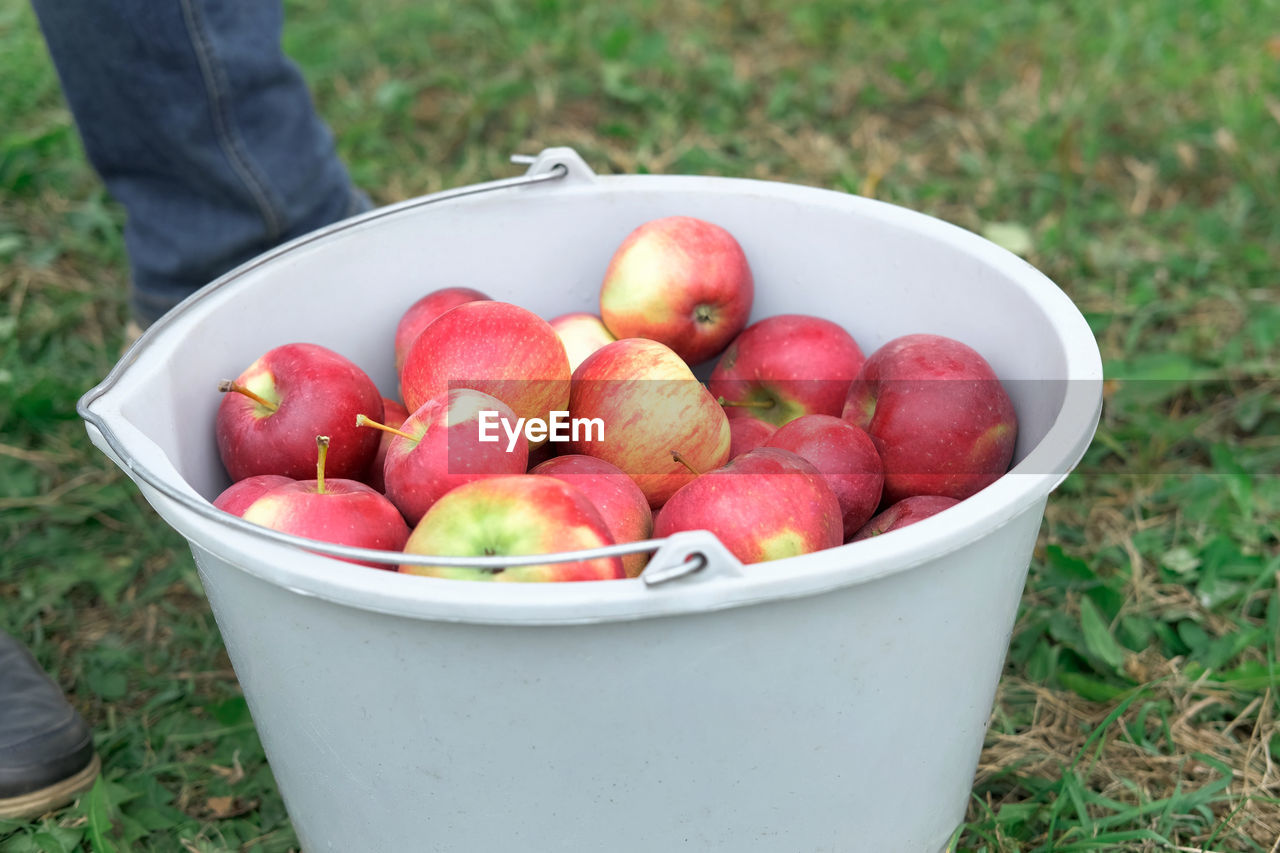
(231, 385)
(675, 454)
(322, 451)
(748, 404)
(362, 420)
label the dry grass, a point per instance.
(1115, 759)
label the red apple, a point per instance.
(494, 347)
(619, 500)
(903, 513)
(939, 416)
(747, 434)
(420, 314)
(845, 455)
(441, 446)
(236, 498)
(581, 334)
(393, 414)
(681, 281)
(268, 421)
(765, 505)
(514, 516)
(786, 366)
(344, 512)
(648, 404)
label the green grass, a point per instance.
(1131, 151)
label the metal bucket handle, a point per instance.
(687, 555)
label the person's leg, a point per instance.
(201, 128)
(46, 749)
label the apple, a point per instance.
(494, 347)
(786, 366)
(845, 455)
(943, 423)
(581, 334)
(765, 505)
(393, 414)
(236, 498)
(903, 513)
(341, 511)
(514, 516)
(746, 434)
(271, 414)
(440, 447)
(420, 314)
(681, 281)
(619, 500)
(649, 404)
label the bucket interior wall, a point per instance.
(548, 251)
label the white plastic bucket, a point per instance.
(832, 702)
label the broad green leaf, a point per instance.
(49, 842)
(1196, 638)
(99, 826)
(1066, 566)
(1088, 687)
(1239, 482)
(1136, 632)
(232, 712)
(1097, 635)
(1042, 662)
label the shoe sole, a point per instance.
(47, 799)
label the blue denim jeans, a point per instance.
(201, 128)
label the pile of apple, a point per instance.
(516, 436)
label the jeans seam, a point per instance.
(228, 140)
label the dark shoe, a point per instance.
(46, 748)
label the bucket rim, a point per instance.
(293, 562)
